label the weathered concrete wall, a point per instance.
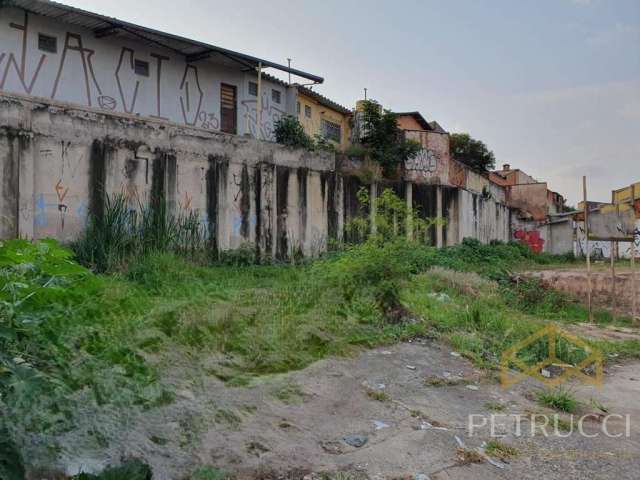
(57, 162)
(431, 164)
(560, 237)
(482, 218)
(100, 73)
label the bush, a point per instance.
(288, 131)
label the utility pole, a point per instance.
(365, 93)
(289, 63)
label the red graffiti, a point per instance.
(531, 238)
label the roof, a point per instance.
(103, 26)
(417, 116)
(322, 100)
(436, 127)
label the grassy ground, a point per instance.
(64, 328)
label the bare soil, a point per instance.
(295, 425)
(574, 282)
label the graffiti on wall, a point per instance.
(424, 162)
(531, 238)
(270, 115)
(122, 87)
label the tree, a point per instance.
(471, 152)
(384, 141)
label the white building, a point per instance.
(65, 54)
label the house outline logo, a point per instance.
(509, 377)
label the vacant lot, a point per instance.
(187, 365)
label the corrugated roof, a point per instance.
(104, 26)
(322, 100)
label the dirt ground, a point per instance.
(574, 282)
(409, 402)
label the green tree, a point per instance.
(384, 141)
(471, 152)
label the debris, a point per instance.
(380, 425)
(420, 476)
(332, 447)
(473, 387)
(411, 367)
(355, 440)
(455, 354)
(386, 352)
(460, 442)
(552, 371)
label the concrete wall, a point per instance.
(482, 218)
(100, 73)
(56, 161)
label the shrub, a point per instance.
(288, 131)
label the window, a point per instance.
(307, 111)
(47, 43)
(253, 89)
(276, 96)
(298, 107)
(141, 68)
(228, 108)
(331, 130)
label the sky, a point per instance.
(551, 86)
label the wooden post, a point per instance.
(409, 198)
(587, 250)
(612, 254)
(259, 104)
(634, 296)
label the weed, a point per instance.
(467, 456)
(227, 417)
(494, 406)
(498, 449)
(436, 381)
(289, 393)
(559, 399)
(133, 469)
(378, 395)
(209, 473)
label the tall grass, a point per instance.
(122, 233)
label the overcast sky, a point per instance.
(552, 86)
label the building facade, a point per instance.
(324, 118)
(113, 66)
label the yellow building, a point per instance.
(320, 116)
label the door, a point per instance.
(228, 108)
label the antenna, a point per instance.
(289, 63)
(365, 93)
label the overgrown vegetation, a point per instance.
(473, 153)
(384, 140)
(68, 333)
(129, 230)
(288, 131)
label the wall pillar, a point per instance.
(409, 198)
(373, 195)
(439, 216)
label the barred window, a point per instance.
(47, 43)
(253, 89)
(331, 130)
(307, 111)
(276, 96)
(141, 68)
